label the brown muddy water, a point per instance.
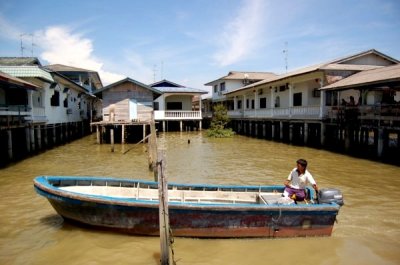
(367, 232)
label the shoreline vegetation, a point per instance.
(219, 122)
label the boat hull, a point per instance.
(194, 220)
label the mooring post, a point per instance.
(112, 139)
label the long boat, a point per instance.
(209, 211)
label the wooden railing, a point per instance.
(177, 115)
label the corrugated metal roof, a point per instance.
(27, 71)
(181, 90)
(383, 74)
(17, 81)
(127, 79)
(65, 68)
(19, 61)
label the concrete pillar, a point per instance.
(163, 126)
(38, 137)
(291, 133)
(200, 126)
(144, 131)
(305, 133)
(181, 125)
(28, 139)
(123, 134)
(9, 144)
(380, 142)
(256, 130)
(281, 130)
(250, 128)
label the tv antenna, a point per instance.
(22, 47)
(154, 73)
(286, 52)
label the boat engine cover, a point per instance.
(330, 195)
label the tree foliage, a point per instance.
(219, 122)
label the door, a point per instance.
(132, 109)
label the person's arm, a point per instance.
(287, 181)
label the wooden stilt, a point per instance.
(28, 140)
(97, 134)
(112, 139)
(123, 134)
(39, 137)
(305, 133)
(9, 144)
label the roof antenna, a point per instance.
(162, 70)
(286, 52)
(154, 73)
(22, 46)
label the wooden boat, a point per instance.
(209, 211)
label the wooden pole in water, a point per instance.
(112, 139)
(163, 211)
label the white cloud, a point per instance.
(241, 35)
(61, 46)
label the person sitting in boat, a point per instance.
(297, 180)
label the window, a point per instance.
(297, 98)
(156, 106)
(55, 99)
(263, 103)
(66, 102)
(247, 104)
(215, 88)
(222, 86)
(252, 104)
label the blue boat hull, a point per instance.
(190, 219)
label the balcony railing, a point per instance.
(308, 112)
(15, 110)
(177, 115)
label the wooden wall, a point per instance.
(116, 100)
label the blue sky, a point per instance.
(197, 41)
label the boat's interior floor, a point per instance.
(177, 195)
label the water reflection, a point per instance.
(31, 232)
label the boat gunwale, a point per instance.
(43, 184)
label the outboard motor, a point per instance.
(330, 195)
